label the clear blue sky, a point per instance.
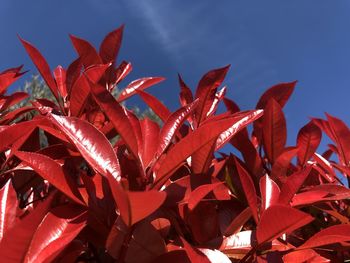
(265, 41)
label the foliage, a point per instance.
(36, 88)
(160, 194)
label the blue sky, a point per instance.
(266, 42)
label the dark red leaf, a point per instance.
(186, 96)
(274, 130)
(73, 73)
(321, 193)
(292, 184)
(7, 78)
(238, 222)
(12, 99)
(110, 45)
(341, 134)
(81, 88)
(249, 189)
(172, 125)
(281, 166)
(194, 254)
(139, 84)
(53, 172)
(199, 193)
(280, 93)
(327, 236)
(206, 91)
(231, 106)
(122, 71)
(278, 220)
(309, 137)
(157, 106)
(42, 66)
(86, 51)
(12, 133)
(116, 115)
(146, 244)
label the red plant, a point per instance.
(161, 194)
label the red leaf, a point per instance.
(194, 254)
(321, 193)
(16, 241)
(206, 91)
(157, 106)
(341, 134)
(53, 172)
(237, 245)
(58, 228)
(231, 106)
(60, 78)
(139, 84)
(8, 208)
(86, 51)
(146, 244)
(6, 119)
(188, 145)
(199, 193)
(6, 79)
(117, 116)
(41, 64)
(282, 164)
(307, 255)
(325, 164)
(280, 93)
(250, 155)
(248, 188)
(12, 133)
(12, 100)
(278, 220)
(150, 134)
(81, 88)
(91, 143)
(142, 204)
(172, 125)
(238, 222)
(327, 236)
(186, 96)
(243, 119)
(274, 130)
(73, 73)
(110, 45)
(309, 137)
(270, 192)
(122, 71)
(291, 186)
(218, 97)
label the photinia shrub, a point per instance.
(85, 180)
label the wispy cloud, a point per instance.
(168, 24)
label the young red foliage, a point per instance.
(107, 186)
